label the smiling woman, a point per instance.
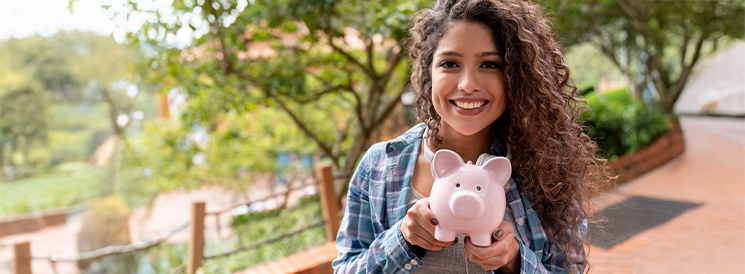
(468, 80)
(490, 81)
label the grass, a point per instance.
(68, 184)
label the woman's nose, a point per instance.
(469, 82)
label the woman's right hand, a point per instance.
(418, 227)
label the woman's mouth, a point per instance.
(470, 107)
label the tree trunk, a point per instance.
(350, 162)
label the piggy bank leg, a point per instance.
(443, 234)
(481, 239)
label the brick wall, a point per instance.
(664, 149)
(32, 222)
(315, 260)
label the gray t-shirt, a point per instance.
(451, 259)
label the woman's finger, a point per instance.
(430, 239)
(422, 207)
(503, 229)
(489, 258)
(424, 222)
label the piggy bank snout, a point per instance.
(466, 205)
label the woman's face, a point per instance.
(468, 79)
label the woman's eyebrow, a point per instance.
(489, 53)
(451, 53)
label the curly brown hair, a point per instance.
(550, 152)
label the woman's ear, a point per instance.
(500, 167)
(445, 162)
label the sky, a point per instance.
(19, 18)
(25, 18)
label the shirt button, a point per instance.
(521, 221)
(507, 186)
(414, 262)
(407, 266)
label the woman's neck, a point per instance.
(469, 147)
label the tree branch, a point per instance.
(350, 58)
(226, 62)
(369, 51)
(677, 88)
(696, 51)
(609, 52)
(391, 68)
(317, 95)
(304, 128)
(390, 105)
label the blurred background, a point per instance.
(115, 116)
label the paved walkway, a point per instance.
(707, 239)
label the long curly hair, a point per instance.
(561, 174)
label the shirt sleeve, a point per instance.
(361, 249)
(530, 263)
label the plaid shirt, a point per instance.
(370, 239)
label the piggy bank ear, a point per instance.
(445, 162)
(500, 167)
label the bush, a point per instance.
(620, 124)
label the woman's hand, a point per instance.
(504, 251)
(418, 227)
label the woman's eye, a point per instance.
(490, 65)
(448, 64)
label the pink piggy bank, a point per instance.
(466, 198)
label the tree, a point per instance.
(656, 44)
(336, 68)
(69, 70)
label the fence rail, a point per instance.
(329, 206)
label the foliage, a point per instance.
(240, 147)
(51, 90)
(656, 44)
(67, 184)
(23, 126)
(589, 66)
(72, 131)
(337, 68)
(621, 124)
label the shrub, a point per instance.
(620, 124)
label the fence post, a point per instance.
(329, 204)
(196, 240)
(22, 258)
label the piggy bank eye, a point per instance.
(457, 185)
(478, 188)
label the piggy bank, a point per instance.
(466, 198)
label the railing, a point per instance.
(329, 207)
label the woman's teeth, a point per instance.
(467, 105)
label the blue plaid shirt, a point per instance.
(370, 239)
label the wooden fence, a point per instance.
(329, 207)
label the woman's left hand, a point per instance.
(504, 251)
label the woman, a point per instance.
(489, 80)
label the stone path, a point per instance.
(708, 239)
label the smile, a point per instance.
(469, 105)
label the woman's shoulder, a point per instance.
(380, 150)
(411, 136)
